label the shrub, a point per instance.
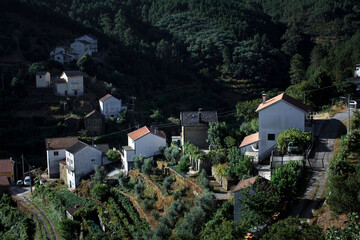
(139, 189)
(183, 166)
(138, 161)
(99, 176)
(123, 179)
(204, 182)
(172, 154)
(148, 166)
(300, 138)
(148, 203)
(113, 155)
(100, 192)
(69, 229)
(167, 182)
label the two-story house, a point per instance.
(63, 54)
(80, 47)
(81, 160)
(276, 115)
(43, 79)
(144, 141)
(93, 123)
(110, 106)
(7, 169)
(55, 152)
(195, 125)
(92, 40)
(71, 83)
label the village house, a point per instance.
(43, 79)
(7, 169)
(81, 159)
(144, 141)
(55, 152)
(93, 123)
(275, 115)
(71, 83)
(110, 106)
(81, 45)
(195, 125)
(70, 211)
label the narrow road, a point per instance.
(23, 195)
(311, 198)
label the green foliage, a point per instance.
(87, 64)
(69, 229)
(156, 115)
(191, 150)
(225, 230)
(100, 192)
(299, 138)
(216, 156)
(351, 231)
(216, 133)
(139, 189)
(36, 67)
(286, 178)
(183, 165)
(172, 154)
(245, 111)
(14, 225)
(297, 69)
(293, 228)
(229, 142)
(123, 179)
(113, 155)
(175, 211)
(99, 175)
(239, 166)
(204, 182)
(260, 200)
(148, 166)
(138, 161)
(167, 182)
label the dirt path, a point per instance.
(311, 198)
(22, 195)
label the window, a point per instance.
(93, 160)
(271, 137)
(40, 76)
(56, 153)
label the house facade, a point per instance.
(92, 40)
(71, 83)
(43, 79)
(194, 127)
(7, 169)
(81, 160)
(110, 106)
(276, 115)
(55, 152)
(144, 141)
(93, 123)
(80, 47)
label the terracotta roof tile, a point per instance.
(253, 138)
(286, 98)
(4, 181)
(6, 165)
(92, 113)
(60, 143)
(106, 97)
(143, 131)
(258, 181)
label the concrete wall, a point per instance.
(75, 84)
(43, 81)
(277, 118)
(196, 135)
(53, 162)
(149, 145)
(63, 172)
(61, 88)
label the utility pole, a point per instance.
(22, 159)
(348, 128)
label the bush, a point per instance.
(240, 166)
(138, 161)
(69, 229)
(139, 189)
(99, 176)
(123, 179)
(300, 138)
(148, 166)
(148, 203)
(167, 182)
(172, 154)
(113, 155)
(183, 166)
(204, 182)
(100, 192)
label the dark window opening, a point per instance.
(271, 137)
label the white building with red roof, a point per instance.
(110, 106)
(71, 83)
(6, 170)
(144, 141)
(275, 115)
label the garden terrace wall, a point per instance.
(184, 182)
(144, 178)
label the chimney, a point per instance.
(48, 145)
(199, 114)
(264, 98)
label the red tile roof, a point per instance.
(92, 113)
(60, 143)
(4, 181)
(286, 98)
(6, 165)
(253, 138)
(245, 183)
(143, 131)
(106, 97)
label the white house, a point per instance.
(80, 47)
(357, 70)
(276, 115)
(55, 152)
(71, 83)
(144, 141)
(90, 39)
(80, 161)
(59, 49)
(43, 79)
(110, 106)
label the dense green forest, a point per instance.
(178, 55)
